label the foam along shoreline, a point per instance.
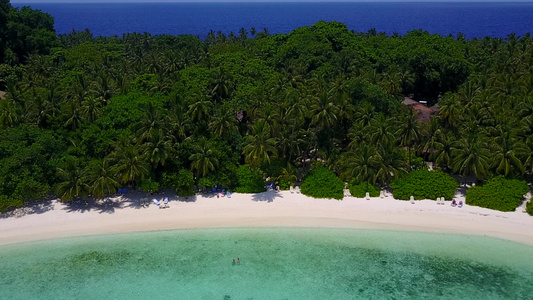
(269, 209)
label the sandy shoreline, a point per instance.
(269, 209)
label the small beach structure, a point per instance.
(424, 112)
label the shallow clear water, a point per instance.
(275, 264)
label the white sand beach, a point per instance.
(269, 209)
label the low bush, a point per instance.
(498, 193)
(322, 183)
(249, 181)
(149, 186)
(185, 185)
(424, 184)
(284, 184)
(360, 190)
(529, 208)
(10, 202)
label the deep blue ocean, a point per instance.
(471, 19)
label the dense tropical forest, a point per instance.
(82, 116)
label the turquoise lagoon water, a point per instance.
(275, 264)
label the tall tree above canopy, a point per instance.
(26, 32)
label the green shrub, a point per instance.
(529, 208)
(360, 190)
(498, 193)
(10, 202)
(150, 186)
(322, 183)
(284, 184)
(185, 184)
(206, 182)
(249, 181)
(424, 184)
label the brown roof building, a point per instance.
(424, 112)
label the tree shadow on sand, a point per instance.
(36, 207)
(267, 196)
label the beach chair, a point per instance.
(347, 193)
(382, 194)
(291, 189)
(460, 204)
(412, 199)
(157, 203)
(367, 196)
(454, 203)
(165, 202)
(297, 188)
(277, 188)
(119, 191)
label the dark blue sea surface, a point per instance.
(471, 19)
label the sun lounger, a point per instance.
(165, 202)
(291, 188)
(157, 203)
(460, 204)
(367, 196)
(454, 203)
(347, 193)
(297, 188)
(412, 199)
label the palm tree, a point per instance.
(450, 108)
(102, 178)
(323, 109)
(151, 122)
(409, 131)
(224, 124)
(528, 155)
(199, 110)
(391, 163)
(179, 123)
(471, 157)
(364, 114)
(430, 136)
(289, 173)
(74, 117)
(221, 83)
(8, 114)
(381, 130)
(204, 159)
(158, 147)
(361, 165)
(260, 147)
(130, 164)
(506, 151)
(442, 154)
(75, 181)
(90, 109)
